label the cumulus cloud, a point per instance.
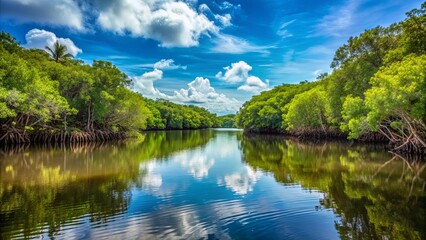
(145, 84)
(168, 64)
(254, 84)
(173, 24)
(38, 38)
(199, 92)
(239, 72)
(59, 12)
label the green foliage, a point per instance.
(28, 96)
(264, 113)
(307, 110)
(58, 52)
(397, 98)
(37, 94)
(415, 30)
(378, 84)
(399, 89)
(354, 117)
(9, 43)
(227, 121)
(168, 115)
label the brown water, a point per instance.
(210, 184)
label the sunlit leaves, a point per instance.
(354, 117)
(307, 110)
(398, 95)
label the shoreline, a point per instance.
(95, 136)
(320, 137)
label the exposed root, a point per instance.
(10, 135)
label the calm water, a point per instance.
(210, 184)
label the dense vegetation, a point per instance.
(377, 87)
(48, 96)
(227, 121)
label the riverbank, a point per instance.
(57, 136)
(337, 136)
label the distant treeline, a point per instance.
(52, 97)
(377, 90)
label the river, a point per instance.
(210, 184)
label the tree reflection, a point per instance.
(42, 188)
(374, 197)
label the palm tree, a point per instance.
(58, 52)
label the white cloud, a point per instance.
(153, 75)
(237, 72)
(254, 84)
(168, 64)
(227, 5)
(200, 91)
(38, 38)
(173, 24)
(204, 8)
(225, 20)
(58, 12)
(224, 43)
(283, 32)
(145, 84)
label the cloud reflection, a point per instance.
(151, 179)
(241, 182)
(196, 163)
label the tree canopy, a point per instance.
(377, 86)
(47, 93)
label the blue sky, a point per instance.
(215, 54)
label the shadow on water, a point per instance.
(376, 195)
(43, 187)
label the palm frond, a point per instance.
(58, 51)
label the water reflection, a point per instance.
(45, 187)
(210, 184)
(377, 195)
(241, 182)
(196, 162)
